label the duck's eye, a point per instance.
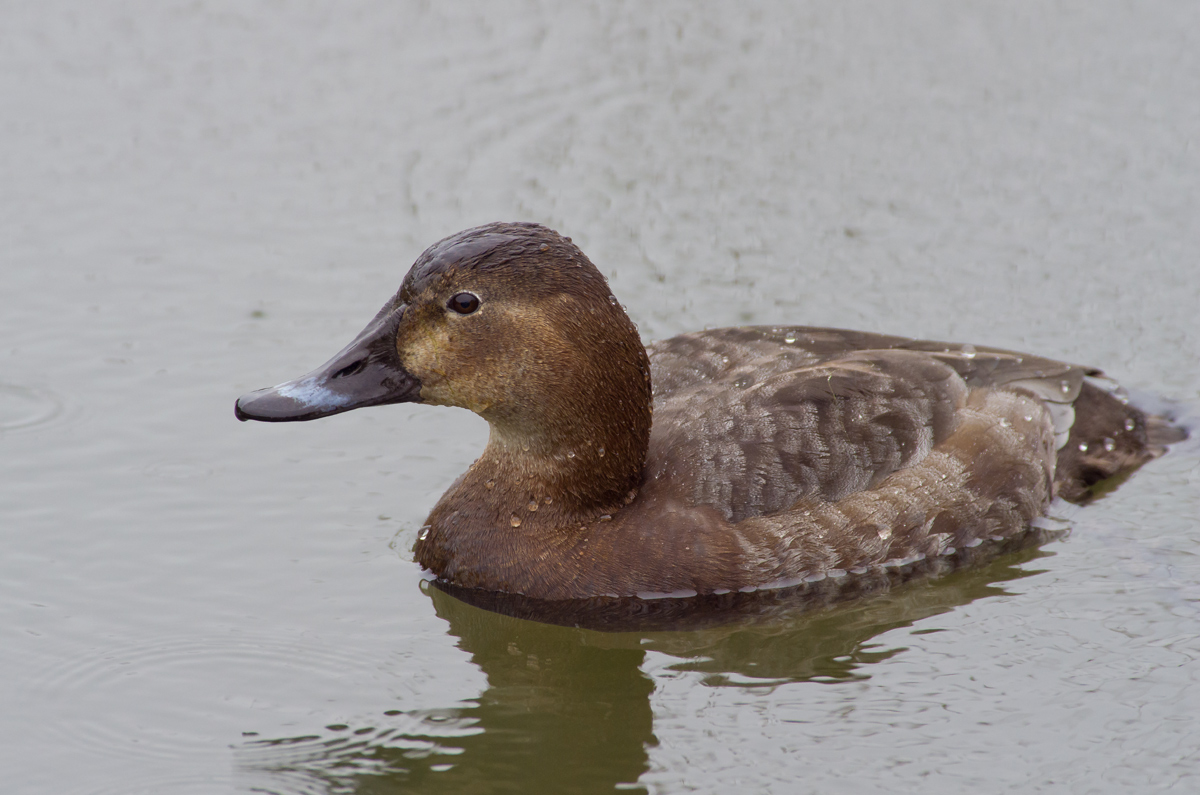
(464, 303)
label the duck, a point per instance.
(721, 461)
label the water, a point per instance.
(206, 198)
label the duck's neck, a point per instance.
(589, 473)
(576, 456)
(516, 514)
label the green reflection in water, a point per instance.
(567, 710)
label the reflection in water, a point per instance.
(568, 709)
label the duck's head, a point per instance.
(511, 321)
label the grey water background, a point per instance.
(203, 198)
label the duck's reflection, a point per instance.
(568, 709)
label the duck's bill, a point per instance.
(367, 372)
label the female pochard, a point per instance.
(722, 460)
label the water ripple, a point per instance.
(119, 700)
(198, 783)
(330, 762)
(23, 407)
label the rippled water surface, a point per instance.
(205, 198)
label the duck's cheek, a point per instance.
(427, 352)
(470, 389)
(449, 394)
(443, 385)
(438, 390)
(442, 393)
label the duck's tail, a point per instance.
(1109, 439)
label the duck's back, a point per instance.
(751, 421)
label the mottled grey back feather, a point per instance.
(809, 413)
